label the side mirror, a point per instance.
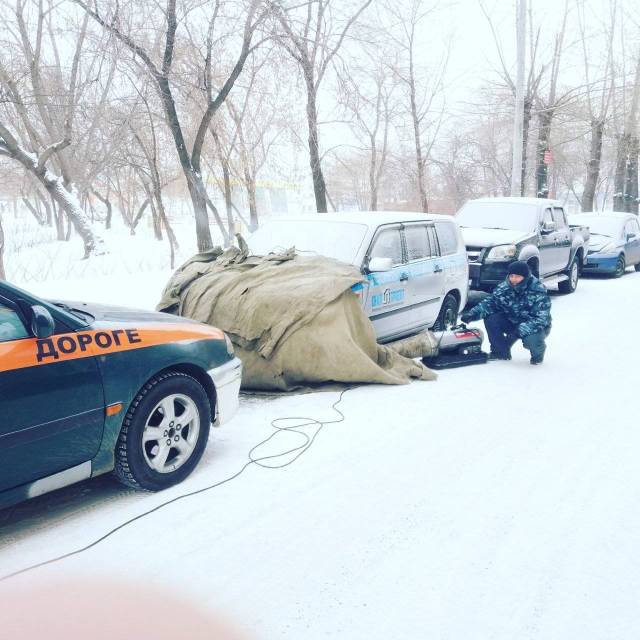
(548, 227)
(379, 264)
(42, 323)
(631, 236)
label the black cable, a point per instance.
(308, 441)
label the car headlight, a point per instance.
(229, 344)
(502, 253)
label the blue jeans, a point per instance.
(502, 336)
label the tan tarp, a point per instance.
(293, 319)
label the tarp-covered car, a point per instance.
(86, 389)
(295, 320)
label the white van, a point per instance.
(415, 263)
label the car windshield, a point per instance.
(600, 225)
(338, 240)
(499, 215)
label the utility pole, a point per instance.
(518, 115)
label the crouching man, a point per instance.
(518, 308)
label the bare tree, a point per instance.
(66, 200)
(161, 74)
(42, 107)
(534, 77)
(598, 115)
(313, 32)
(625, 196)
(422, 90)
(547, 109)
(368, 93)
(3, 275)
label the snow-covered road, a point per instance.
(499, 502)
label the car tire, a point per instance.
(621, 266)
(637, 266)
(571, 283)
(155, 451)
(448, 315)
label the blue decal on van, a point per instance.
(388, 296)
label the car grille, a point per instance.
(474, 254)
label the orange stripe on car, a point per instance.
(30, 352)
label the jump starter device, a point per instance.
(458, 346)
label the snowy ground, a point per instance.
(499, 502)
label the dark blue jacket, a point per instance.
(527, 305)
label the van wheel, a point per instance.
(448, 315)
(621, 267)
(573, 273)
(164, 432)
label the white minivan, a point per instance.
(415, 264)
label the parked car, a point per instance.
(86, 389)
(414, 263)
(614, 244)
(498, 231)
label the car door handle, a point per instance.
(404, 276)
(437, 269)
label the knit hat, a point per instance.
(519, 268)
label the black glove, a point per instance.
(466, 317)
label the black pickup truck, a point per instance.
(497, 231)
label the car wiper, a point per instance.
(78, 313)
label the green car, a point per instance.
(87, 389)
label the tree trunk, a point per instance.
(58, 215)
(373, 186)
(420, 161)
(67, 235)
(198, 194)
(542, 170)
(47, 207)
(138, 217)
(228, 199)
(225, 237)
(107, 203)
(197, 190)
(620, 176)
(250, 181)
(2, 271)
(526, 122)
(593, 167)
(155, 218)
(34, 211)
(164, 220)
(631, 185)
(319, 186)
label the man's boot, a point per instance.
(499, 355)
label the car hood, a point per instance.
(112, 314)
(596, 243)
(479, 237)
(111, 329)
